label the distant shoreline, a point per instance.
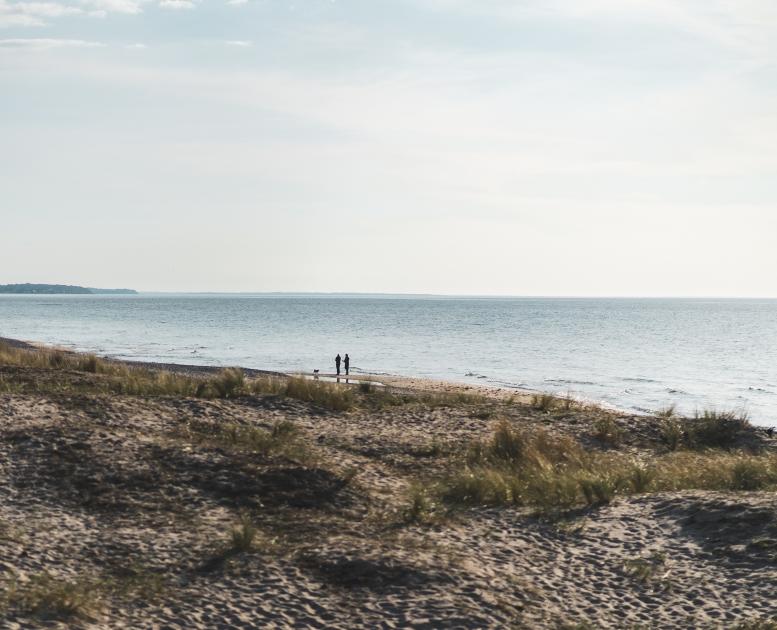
(59, 289)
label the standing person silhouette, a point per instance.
(347, 363)
(337, 363)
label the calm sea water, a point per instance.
(638, 355)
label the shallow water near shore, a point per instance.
(634, 354)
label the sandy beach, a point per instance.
(183, 497)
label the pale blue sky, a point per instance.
(563, 147)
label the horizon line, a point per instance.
(463, 295)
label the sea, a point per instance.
(637, 355)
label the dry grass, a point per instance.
(667, 412)
(545, 402)
(421, 506)
(109, 377)
(706, 430)
(243, 535)
(229, 383)
(450, 399)
(716, 429)
(645, 569)
(52, 359)
(714, 471)
(112, 377)
(283, 439)
(329, 395)
(552, 472)
(607, 431)
(49, 598)
(11, 386)
(672, 433)
(136, 582)
(372, 397)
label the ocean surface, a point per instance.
(633, 354)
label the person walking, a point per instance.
(337, 363)
(347, 363)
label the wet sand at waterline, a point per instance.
(143, 498)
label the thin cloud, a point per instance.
(41, 43)
(130, 7)
(32, 13)
(10, 20)
(44, 9)
(239, 43)
(176, 4)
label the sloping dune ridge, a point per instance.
(145, 497)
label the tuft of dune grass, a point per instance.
(53, 599)
(709, 429)
(544, 402)
(607, 431)
(243, 535)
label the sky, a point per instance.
(478, 147)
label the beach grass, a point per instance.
(421, 507)
(114, 377)
(667, 412)
(544, 402)
(644, 569)
(554, 472)
(607, 431)
(329, 395)
(283, 438)
(372, 397)
(50, 598)
(243, 535)
(709, 429)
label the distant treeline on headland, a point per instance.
(54, 289)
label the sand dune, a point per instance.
(117, 511)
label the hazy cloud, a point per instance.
(177, 4)
(32, 13)
(115, 6)
(39, 43)
(552, 136)
(20, 14)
